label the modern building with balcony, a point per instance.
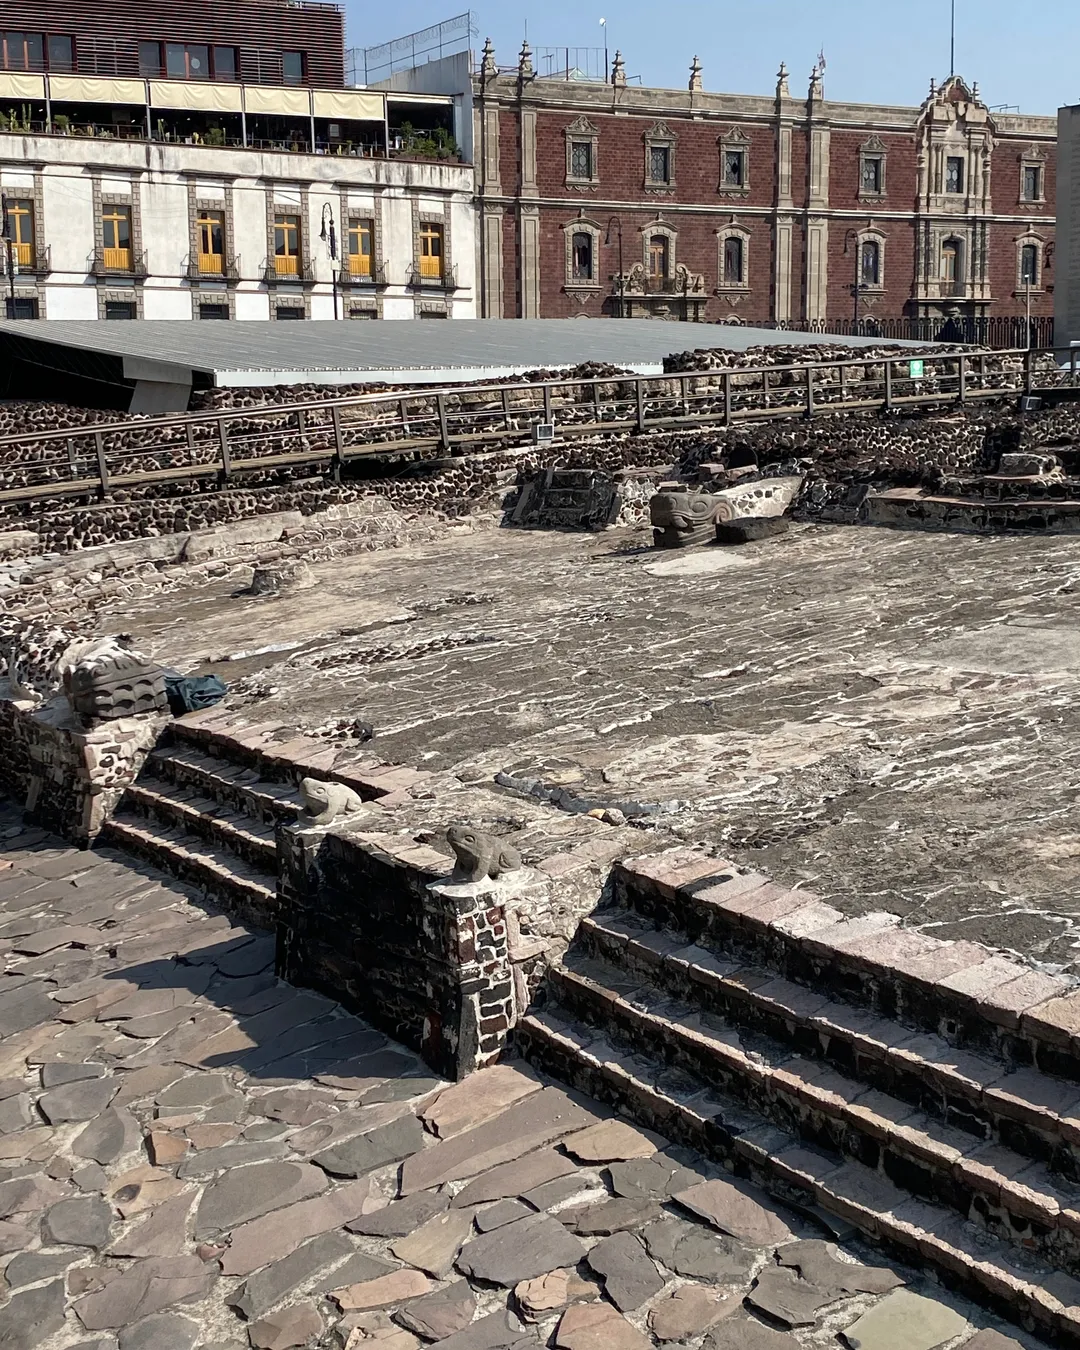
(207, 161)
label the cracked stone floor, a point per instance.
(889, 719)
(196, 1156)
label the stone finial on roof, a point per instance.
(696, 83)
(618, 69)
(783, 90)
(817, 84)
(487, 65)
(933, 87)
(525, 65)
(975, 92)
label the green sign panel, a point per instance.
(917, 369)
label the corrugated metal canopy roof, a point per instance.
(326, 352)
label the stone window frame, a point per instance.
(428, 216)
(874, 148)
(196, 205)
(273, 206)
(659, 135)
(369, 309)
(871, 235)
(291, 300)
(579, 130)
(732, 231)
(203, 297)
(127, 296)
(370, 300)
(102, 199)
(648, 231)
(1030, 240)
(964, 160)
(30, 289)
(1034, 158)
(728, 141)
(582, 225)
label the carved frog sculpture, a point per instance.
(682, 519)
(479, 855)
(324, 802)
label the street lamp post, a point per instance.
(857, 287)
(9, 246)
(617, 222)
(328, 234)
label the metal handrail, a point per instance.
(270, 437)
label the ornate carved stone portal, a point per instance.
(683, 519)
(325, 802)
(480, 856)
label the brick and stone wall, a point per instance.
(69, 779)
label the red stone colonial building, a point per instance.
(609, 198)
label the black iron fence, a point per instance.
(1000, 331)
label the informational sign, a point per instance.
(916, 369)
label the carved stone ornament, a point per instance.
(326, 802)
(105, 678)
(480, 856)
(683, 519)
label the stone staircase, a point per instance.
(208, 820)
(927, 1093)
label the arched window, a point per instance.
(733, 260)
(659, 258)
(952, 265)
(1029, 265)
(582, 256)
(871, 263)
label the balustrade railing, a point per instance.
(332, 431)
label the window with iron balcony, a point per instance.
(361, 250)
(20, 227)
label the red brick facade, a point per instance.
(944, 235)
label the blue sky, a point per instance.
(1022, 54)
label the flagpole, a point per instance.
(952, 42)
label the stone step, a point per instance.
(232, 785)
(250, 840)
(1009, 1195)
(968, 995)
(1029, 1112)
(244, 893)
(1014, 1283)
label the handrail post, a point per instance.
(684, 385)
(506, 407)
(547, 404)
(73, 462)
(809, 391)
(103, 472)
(404, 416)
(444, 431)
(339, 443)
(223, 438)
(639, 387)
(727, 398)
(888, 386)
(190, 430)
(842, 367)
(962, 376)
(1029, 370)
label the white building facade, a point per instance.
(133, 226)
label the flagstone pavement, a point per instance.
(197, 1156)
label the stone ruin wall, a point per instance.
(836, 454)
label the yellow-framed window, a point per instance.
(431, 250)
(20, 220)
(211, 227)
(116, 236)
(361, 247)
(286, 244)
